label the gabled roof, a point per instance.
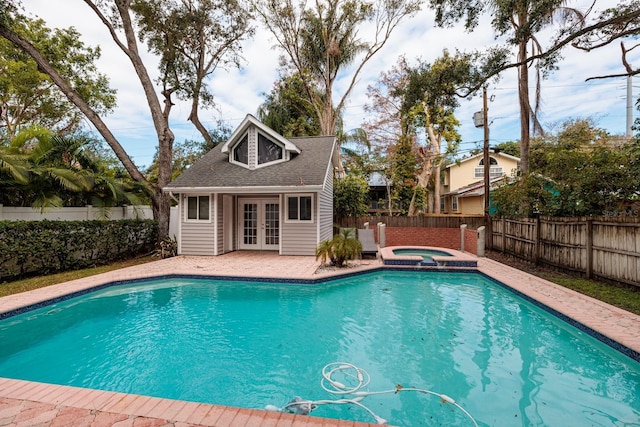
(249, 121)
(478, 156)
(305, 171)
(473, 189)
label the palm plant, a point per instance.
(342, 248)
(42, 170)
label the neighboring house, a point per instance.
(379, 187)
(463, 189)
(258, 191)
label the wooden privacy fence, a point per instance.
(596, 246)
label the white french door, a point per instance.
(259, 224)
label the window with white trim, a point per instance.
(198, 208)
(454, 203)
(495, 171)
(299, 208)
(241, 151)
(268, 151)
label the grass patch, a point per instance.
(24, 285)
(622, 296)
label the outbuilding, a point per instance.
(257, 191)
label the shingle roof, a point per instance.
(214, 171)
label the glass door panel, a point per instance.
(249, 238)
(271, 225)
(260, 224)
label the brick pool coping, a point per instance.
(25, 403)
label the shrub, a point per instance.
(350, 196)
(30, 248)
(340, 249)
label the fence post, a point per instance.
(482, 241)
(463, 228)
(382, 234)
(536, 261)
(89, 213)
(504, 235)
(589, 248)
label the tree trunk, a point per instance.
(525, 108)
(193, 118)
(436, 189)
(161, 206)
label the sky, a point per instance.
(565, 94)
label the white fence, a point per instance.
(12, 213)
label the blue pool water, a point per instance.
(248, 344)
(426, 254)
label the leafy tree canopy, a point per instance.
(287, 111)
(29, 96)
(580, 170)
(188, 152)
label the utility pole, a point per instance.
(629, 105)
(487, 163)
(481, 119)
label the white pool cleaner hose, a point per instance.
(359, 378)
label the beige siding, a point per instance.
(220, 223)
(298, 239)
(471, 205)
(463, 174)
(326, 210)
(197, 238)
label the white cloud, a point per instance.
(239, 92)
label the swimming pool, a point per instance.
(459, 334)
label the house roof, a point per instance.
(377, 179)
(473, 189)
(477, 156)
(305, 171)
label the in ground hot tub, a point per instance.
(426, 256)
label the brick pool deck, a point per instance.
(24, 403)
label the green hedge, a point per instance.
(30, 248)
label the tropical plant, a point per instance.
(44, 170)
(342, 248)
